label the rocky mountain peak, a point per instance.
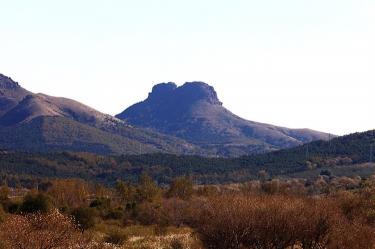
(8, 83)
(195, 91)
(162, 90)
(190, 92)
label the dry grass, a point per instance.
(185, 240)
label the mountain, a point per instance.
(38, 122)
(193, 112)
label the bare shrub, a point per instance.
(348, 235)
(278, 222)
(41, 231)
(72, 193)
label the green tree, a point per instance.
(181, 187)
(33, 203)
(147, 189)
(85, 217)
(126, 192)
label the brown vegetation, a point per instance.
(41, 231)
(278, 214)
(280, 222)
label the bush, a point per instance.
(4, 193)
(52, 230)
(181, 187)
(12, 207)
(116, 236)
(151, 213)
(33, 203)
(85, 217)
(177, 244)
(115, 214)
(161, 229)
(147, 190)
(2, 215)
(101, 203)
(264, 222)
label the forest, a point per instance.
(343, 156)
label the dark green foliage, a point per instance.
(12, 207)
(85, 217)
(147, 189)
(326, 172)
(114, 214)
(101, 203)
(126, 192)
(116, 236)
(33, 203)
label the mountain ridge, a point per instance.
(49, 123)
(187, 119)
(194, 113)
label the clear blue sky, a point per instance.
(295, 63)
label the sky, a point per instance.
(293, 63)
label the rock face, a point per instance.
(8, 83)
(185, 95)
(10, 93)
(38, 122)
(194, 112)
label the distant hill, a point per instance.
(194, 113)
(38, 122)
(343, 156)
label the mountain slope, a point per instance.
(40, 105)
(193, 112)
(38, 122)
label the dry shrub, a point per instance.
(149, 213)
(277, 222)
(116, 236)
(358, 207)
(180, 212)
(349, 235)
(2, 215)
(41, 231)
(69, 192)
